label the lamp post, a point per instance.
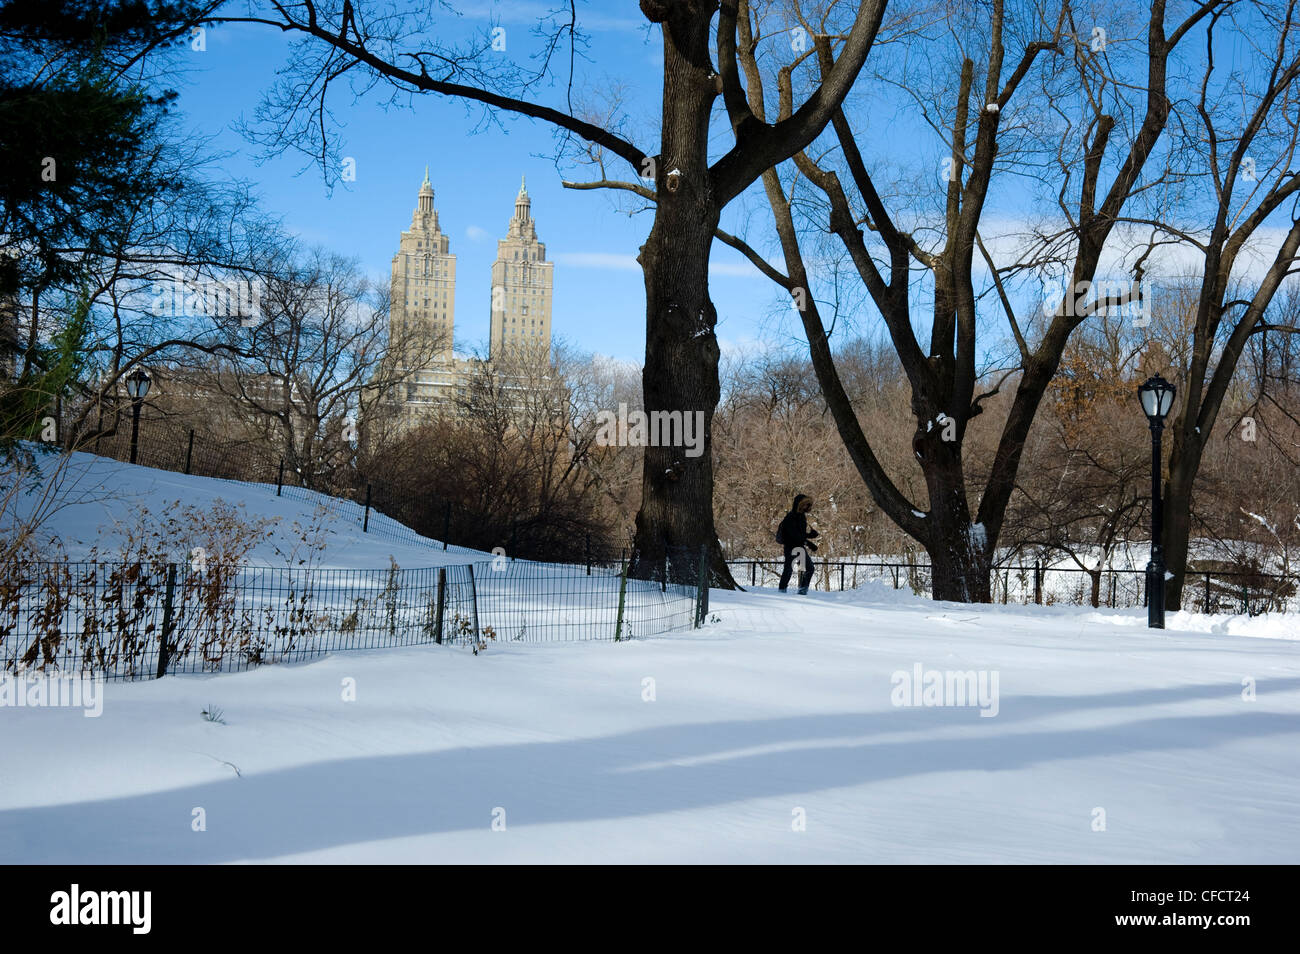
(1157, 396)
(137, 386)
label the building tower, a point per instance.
(424, 275)
(522, 283)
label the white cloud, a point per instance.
(610, 261)
(741, 269)
(477, 234)
(1011, 240)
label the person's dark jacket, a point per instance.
(794, 528)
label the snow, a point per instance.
(776, 734)
(102, 496)
(781, 710)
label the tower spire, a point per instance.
(425, 203)
(523, 208)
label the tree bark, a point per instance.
(681, 356)
(959, 554)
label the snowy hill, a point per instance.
(103, 500)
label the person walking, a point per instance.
(793, 534)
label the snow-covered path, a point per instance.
(780, 713)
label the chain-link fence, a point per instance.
(1205, 591)
(144, 620)
(597, 599)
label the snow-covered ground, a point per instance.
(777, 733)
(771, 735)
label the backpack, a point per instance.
(779, 535)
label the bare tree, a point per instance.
(318, 352)
(407, 54)
(982, 117)
(1082, 489)
(514, 452)
(1243, 134)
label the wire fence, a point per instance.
(144, 620)
(599, 599)
(1248, 592)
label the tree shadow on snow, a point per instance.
(642, 772)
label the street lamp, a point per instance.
(1157, 396)
(137, 386)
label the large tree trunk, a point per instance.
(959, 568)
(959, 552)
(681, 352)
(681, 374)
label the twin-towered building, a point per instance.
(424, 291)
(522, 281)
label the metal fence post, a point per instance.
(365, 522)
(1207, 593)
(1038, 583)
(168, 602)
(588, 553)
(189, 451)
(279, 481)
(442, 604)
(841, 577)
(622, 600)
(446, 523)
(702, 589)
(473, 596)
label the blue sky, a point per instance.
(599, 295)
(476, 167)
